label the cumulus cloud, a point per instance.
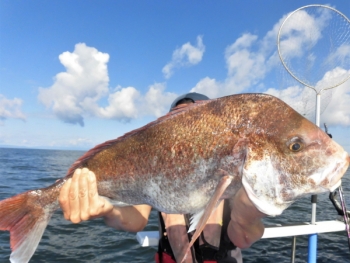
(340, 56)
(338, 110)
(157, 101)
(249, 59)
(79, 91)
(253, 64)
(84, 82)
(210, 87)
(319, 56)
(122, 105)
(186, 55)
(301, 30)
(247, 63)
(11, 108)
(334, 105)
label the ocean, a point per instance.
(28, 169)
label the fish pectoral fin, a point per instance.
(239, 154)
(209, 209)
(241, 147)
(117, 203)
(195, 218)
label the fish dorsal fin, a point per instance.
(98, 148)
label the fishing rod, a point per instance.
(342, 211)
(337, 206)
(345, 213)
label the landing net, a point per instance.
(314, 47)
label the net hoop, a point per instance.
(279, 48)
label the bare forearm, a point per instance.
(129, 218)
(177, 235)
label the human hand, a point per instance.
(79, 198)
(245, 226)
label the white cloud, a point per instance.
(314, 42)
(122, 105)
(335, 106)
(11, 109)
(338, 110)
(333, 78)
(245, 41)
(251, 62)
(85, 81)
(77, 92)
(303, 29)
(340, 56)
(245, 68)
(187, 55)
(210, 87)
(157, 101)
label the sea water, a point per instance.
(27, 169)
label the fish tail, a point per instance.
(26, 216)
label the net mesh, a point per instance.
(314, 47)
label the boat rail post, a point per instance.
(294, 242)
(312, 250)
(312, 255)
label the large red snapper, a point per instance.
(189, 159)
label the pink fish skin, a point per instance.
(188, 160)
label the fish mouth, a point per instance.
(332, 188)
(338, 172)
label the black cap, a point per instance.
(192, 96)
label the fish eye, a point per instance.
(295, 146)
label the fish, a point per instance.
(188, 160)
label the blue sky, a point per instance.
(77, 73)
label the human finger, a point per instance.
(74, 198)
(64, 199)
(84, 195)
(94, 199)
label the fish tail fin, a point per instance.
(26, 216)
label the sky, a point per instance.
(74, 74)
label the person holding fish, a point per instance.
(80, 201)
(251, 149)
(214, 244)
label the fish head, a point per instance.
(289, 157)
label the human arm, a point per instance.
(128, 218)
(177, 235)
(80, 201)
(245, 226)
